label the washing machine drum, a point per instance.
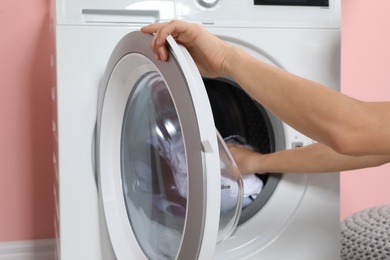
(167, 182)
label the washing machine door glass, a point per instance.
(154, 168)
(169, 186)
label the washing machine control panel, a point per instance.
(262, 13)
(324, 3)
(224, 13)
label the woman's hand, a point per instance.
(247, 160)
(209, 52)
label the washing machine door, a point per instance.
(160, 162)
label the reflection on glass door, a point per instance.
(154, 168)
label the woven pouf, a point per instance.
(366, 235)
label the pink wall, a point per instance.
(26, 172)
(365, 75)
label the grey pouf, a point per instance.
(366, 235)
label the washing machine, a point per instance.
(142, 167)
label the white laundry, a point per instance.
(172, 149)
(252, 184)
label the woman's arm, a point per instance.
(346, 125)
(315, 158)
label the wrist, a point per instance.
(259, 164)
(255, 163)
(243, 68)
(233, 58)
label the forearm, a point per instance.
(315, 158)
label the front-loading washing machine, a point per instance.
(143, 171)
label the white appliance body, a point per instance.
(300, 218)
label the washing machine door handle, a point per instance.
(157, 154)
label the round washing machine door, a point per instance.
(161, 163)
